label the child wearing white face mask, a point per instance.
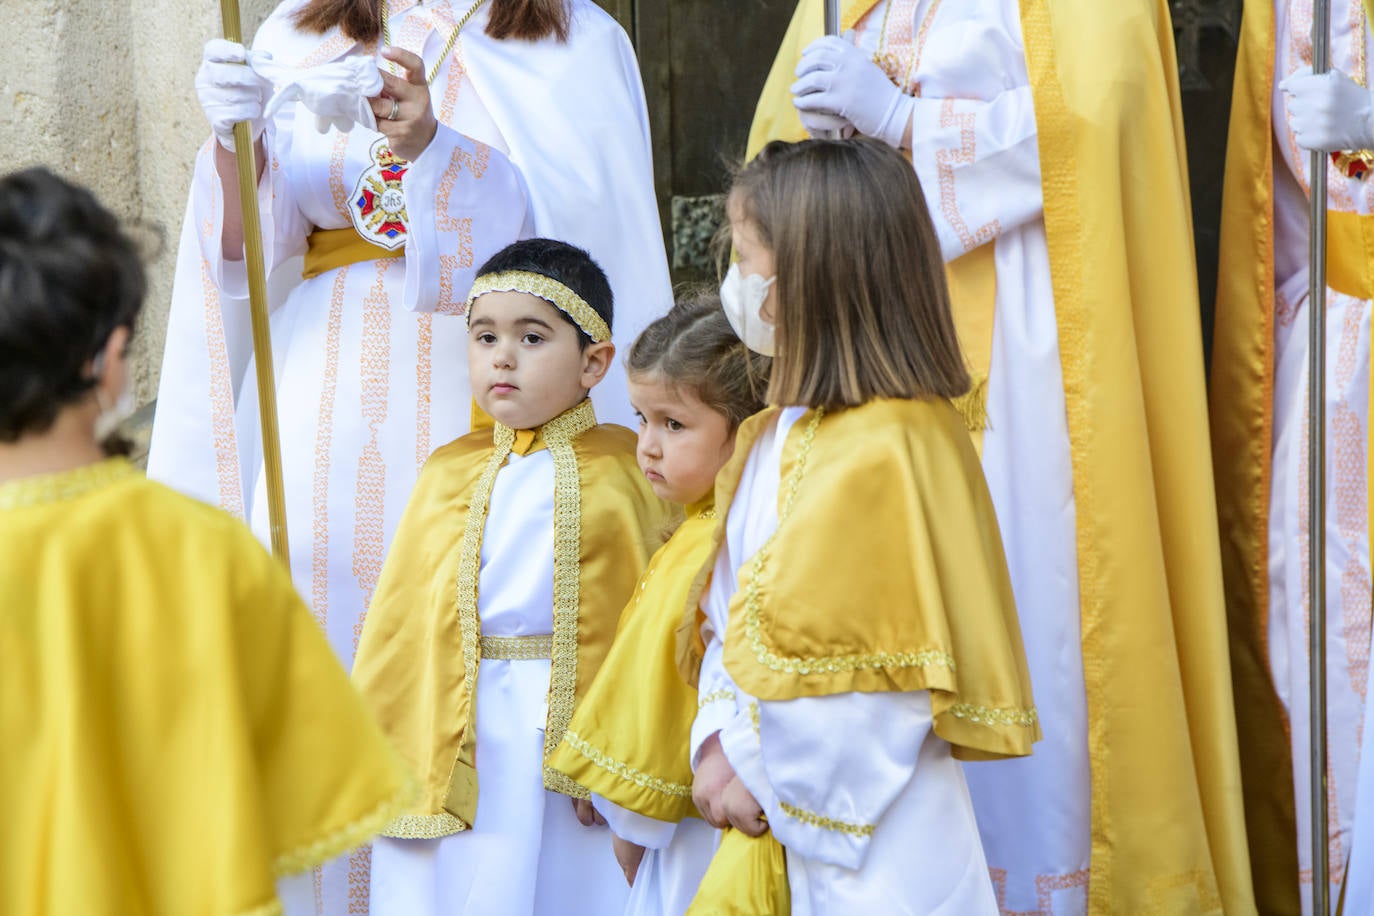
(858, 633)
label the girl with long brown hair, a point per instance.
(860, 635)
(494, 120)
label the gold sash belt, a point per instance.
(330, 248)
(1350, 254)
(516, 648)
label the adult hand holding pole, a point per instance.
(257, 297)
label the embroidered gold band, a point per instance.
(548, 289)
(516, 648)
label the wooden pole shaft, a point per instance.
(246, 161)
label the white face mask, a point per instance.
(112, 415)
(742, 299)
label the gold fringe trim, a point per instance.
(348, 837)
(424, 826)
(624, 770)
(973, 406)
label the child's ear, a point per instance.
(596, 361)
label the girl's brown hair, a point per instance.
(361, 20)
(862, 305)
(694, 347)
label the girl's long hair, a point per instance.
(862, 305)
(361, 20)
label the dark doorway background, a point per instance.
(704, 63)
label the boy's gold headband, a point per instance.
(548, 289)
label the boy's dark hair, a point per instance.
(69, 276)
(694, 347)
(567, 264)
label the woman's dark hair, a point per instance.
(69, 276)
(567, 264)
(693, 347)
(361, 20)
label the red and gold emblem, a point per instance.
(379, 202)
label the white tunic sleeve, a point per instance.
(825, 769)
(284, 226)
(649, 832)
(716, 697)
(454, 177)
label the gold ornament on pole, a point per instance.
(1316, 450)
(257, 298)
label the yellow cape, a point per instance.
(1242, 438)
(628, 741)
(1168, 825)
(417, 660)
(176, 731)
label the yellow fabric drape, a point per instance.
(176, 731)
(630, 737)
(747, 877)
(939, 617)
(1167, 820)
(1242, 418)
(422, 622)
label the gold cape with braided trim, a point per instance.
(177, 732)
(422, 623)
(1168, 823)
(886, 573)
(629, 740)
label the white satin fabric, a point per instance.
(526, 853)
(676, 857)
(975, 152)
(370, 359)
(1347, 419)
(866, 760)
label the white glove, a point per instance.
(824, 124)
(335, 93)
(836, 78)
(1329, 111)
(230, 92)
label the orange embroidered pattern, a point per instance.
(327, 50)
(1046, 886)
(226, 444)
(370, 502)
(324, 442)
(359, 881)
(424, 381)
(945, 161)
(336, 170)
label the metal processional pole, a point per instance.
(1316, 378)
(832, 27)
(257, 298)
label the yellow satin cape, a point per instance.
(1168, 829)
(747, 877)
(629, 739)
(176, 731)
(893, 487)
(417, 663)
(1242, 441)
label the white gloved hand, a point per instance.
(836, 78)
(1329, 111)
(335, 93)
(229, 91)
(824, 124)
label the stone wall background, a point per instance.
(100, 91)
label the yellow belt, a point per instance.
(330, 248)
(1350, 254)
(516, 648)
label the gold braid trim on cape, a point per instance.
(418, 658)
(892, 487)
(628, 742)
(1118, 225)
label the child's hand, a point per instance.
(741, 810)
(586, 814)
(713, 774)
(628, 855)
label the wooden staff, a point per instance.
(257, 300)
(1316, 450)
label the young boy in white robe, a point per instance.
(498, 601)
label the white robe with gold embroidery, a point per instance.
(371, 369)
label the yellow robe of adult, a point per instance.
(1242, 439)
(1113, 168)
(418, 657)
(176, 732)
